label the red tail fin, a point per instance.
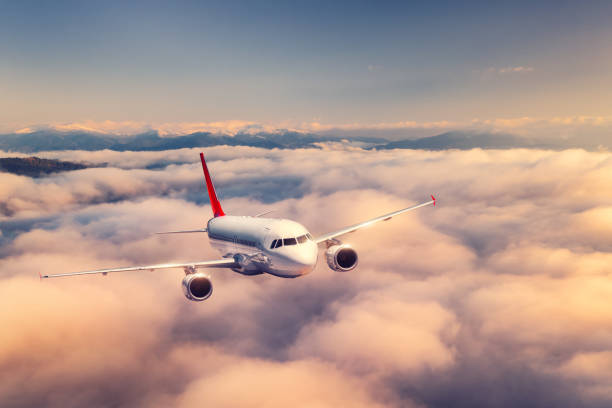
(214, 202)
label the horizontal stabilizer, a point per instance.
(263, 213)
(181, 232)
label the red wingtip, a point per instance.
(434, 200)
(214, 202)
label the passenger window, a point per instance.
(302, 239)
(289, 241)
(279, 243)
(273, 244)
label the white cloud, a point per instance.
(514, 70)
(497, 285)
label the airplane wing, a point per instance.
(220, 263)
(385, 217)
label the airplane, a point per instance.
(253, 245)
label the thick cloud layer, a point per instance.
(497, 297)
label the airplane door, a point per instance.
(267, 239)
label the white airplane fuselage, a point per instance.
(253, 243)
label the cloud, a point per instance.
(385, 344)
(508, 70)
(229, 127)
(311, 384)
(497, 297)
(515, 70)
(106, 126)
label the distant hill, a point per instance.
(36, 167)
(467, 140)
(459, 140)
(49, 140)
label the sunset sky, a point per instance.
(291, 62)
(500, 296)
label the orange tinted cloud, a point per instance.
(504, 282)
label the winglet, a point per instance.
(434, 200)
(214, 202)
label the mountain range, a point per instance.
(48, 140)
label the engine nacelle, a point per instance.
(341, 258)
(197, 287)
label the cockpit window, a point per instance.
(277, 243)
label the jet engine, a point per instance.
(197, 287)
(341, 258)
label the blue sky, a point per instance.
(330, 62)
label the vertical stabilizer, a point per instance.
(214, 202)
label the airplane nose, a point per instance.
(304, 269)
(306, 260)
